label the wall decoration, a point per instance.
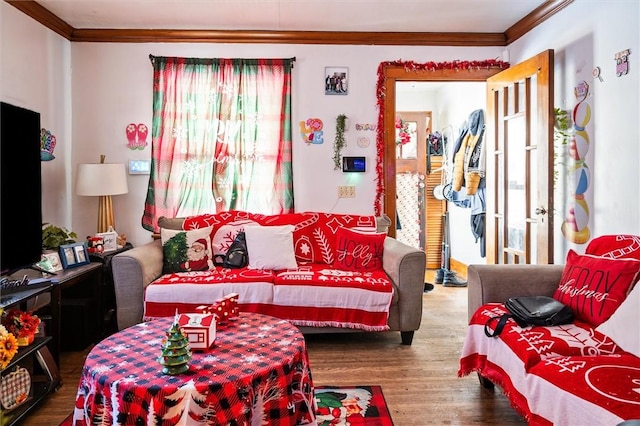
(366, 126)
(335, 80)
(575, 227)
(597, 73)
(339, 141)
(363, 141)
(622, 62)
(47, 145)
(137, 135)
(311, 131)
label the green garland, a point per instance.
(339, 142)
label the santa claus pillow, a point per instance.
(185, 251)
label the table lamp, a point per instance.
(102, 180)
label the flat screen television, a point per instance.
(20, 188)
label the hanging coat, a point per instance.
(469, 159)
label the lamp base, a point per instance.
(105, 214)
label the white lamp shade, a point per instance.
(101, 179)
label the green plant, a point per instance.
(561, 136)
(339, 141)
(55, 236)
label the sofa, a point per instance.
(296, 272)
(583, 373)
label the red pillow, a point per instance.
(358, 251)
(595, 286)
(615, 246)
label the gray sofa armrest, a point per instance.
(405, 265)
(496, 283)
(133, 270)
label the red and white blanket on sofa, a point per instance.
(601, 382)
(316, 293)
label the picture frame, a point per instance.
(109, 241)
(336, 80)
(50, 262)
(72, 255)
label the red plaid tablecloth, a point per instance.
(257, 372)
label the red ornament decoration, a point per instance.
(380, 95)
(224, 309)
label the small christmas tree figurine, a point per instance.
(176, 353)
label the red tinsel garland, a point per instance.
(380, 95)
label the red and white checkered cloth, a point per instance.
(256, 373)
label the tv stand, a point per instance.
(35, 358)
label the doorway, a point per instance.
(396, 72)
(531, 84)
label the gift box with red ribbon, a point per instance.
(200, 329)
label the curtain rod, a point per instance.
(152, 59)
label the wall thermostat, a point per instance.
(139, 167)
(354, 164)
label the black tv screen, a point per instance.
(20, 188)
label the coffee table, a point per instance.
(257, 372)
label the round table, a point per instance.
(257, 372)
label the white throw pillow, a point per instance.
(270, 247)
(622, 326)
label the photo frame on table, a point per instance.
(72, 255)
(109, 241)
(336, 81)
(50, 262)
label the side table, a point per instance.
(110, 321)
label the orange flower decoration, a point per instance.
(8, 349)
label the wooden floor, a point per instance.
(419, 382)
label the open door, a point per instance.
(519, 154)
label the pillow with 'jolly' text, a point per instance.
(358, 251)
(595, 286)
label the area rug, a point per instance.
(343, 405)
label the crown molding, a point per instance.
(288, 37)
(54, 23)
(535, 18)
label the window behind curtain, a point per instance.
(221, 137)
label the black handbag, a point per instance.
(237, 256)
(531, 310)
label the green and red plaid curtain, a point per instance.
(221, 137)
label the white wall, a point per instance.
(585, 35)
(35, 74)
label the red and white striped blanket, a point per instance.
(564, 375)
(314, 295)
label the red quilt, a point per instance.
(600, 383)
(311, 295)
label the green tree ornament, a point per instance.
(176, 353)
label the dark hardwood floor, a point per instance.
(419, 382)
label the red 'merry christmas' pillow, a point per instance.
(594, 286)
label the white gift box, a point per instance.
(200, 330)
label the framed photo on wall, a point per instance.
(72, 255)
(336, 81)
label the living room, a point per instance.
(88, 92)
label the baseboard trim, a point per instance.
(458, 267)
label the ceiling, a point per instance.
(485, 16)
(353, 22)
